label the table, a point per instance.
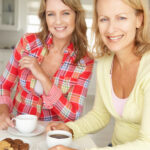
(82, 143)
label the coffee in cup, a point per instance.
(58, 137)
(25, 123)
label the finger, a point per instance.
(57, 147)
(25, 65)
(51, 126)
(25, 62)
(3, 126)
(22, 60)
(29, 58)
(26, 57)
(61, 147)
(61, 126)
(11, 116)
(9, 122)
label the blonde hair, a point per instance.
(79, 37)
(142, 39)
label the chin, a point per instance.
(114, 49)
(62, 36)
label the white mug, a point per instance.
(58, 137)
(25, 123)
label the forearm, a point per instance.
(67, 106)
(64, 107)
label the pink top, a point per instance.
(118, 103)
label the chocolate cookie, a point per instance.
(10, 144)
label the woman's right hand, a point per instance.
(56, 125)
(5, 120)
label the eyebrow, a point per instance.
(117, 14)
(61, 10)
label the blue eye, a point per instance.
(66, 13)
(122, 18)
(50, 14)
(103, 20)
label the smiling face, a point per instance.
(60, 19)
(117, 24)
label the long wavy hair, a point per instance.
(142, 39)
(79, 38)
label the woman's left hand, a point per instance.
(32, 64)
(61, 147)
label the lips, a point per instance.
(60, 28)
(115, 38)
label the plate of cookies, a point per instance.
(14, 144)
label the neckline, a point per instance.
(139, 68)
(109, 72)
(114, 94)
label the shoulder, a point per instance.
(144, 67)
(143, 75)
(105, 60)
(31, 41)
(86, 60)
(146, 58)
(30, 36)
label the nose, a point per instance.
(111, 27)
(58, 19)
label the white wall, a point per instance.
(10, 38)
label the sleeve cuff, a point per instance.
(52, 97)
(8, 101)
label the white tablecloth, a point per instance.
(37, 141)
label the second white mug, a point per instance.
(58, 137)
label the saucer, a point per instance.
(43, 145)
(39, 130)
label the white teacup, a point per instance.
(26, 123)
(58, 137)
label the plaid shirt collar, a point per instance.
(68, 50)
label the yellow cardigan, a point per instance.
(132, 129)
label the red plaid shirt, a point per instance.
(66, 97)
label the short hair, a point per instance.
(79, 38)
(142, 39)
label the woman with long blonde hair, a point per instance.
(52, 67)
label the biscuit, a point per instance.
(10, 144)
(4, 145)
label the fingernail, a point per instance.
(53, 128)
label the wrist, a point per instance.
(4, 109)
(46, 84)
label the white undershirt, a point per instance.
(38, 88)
